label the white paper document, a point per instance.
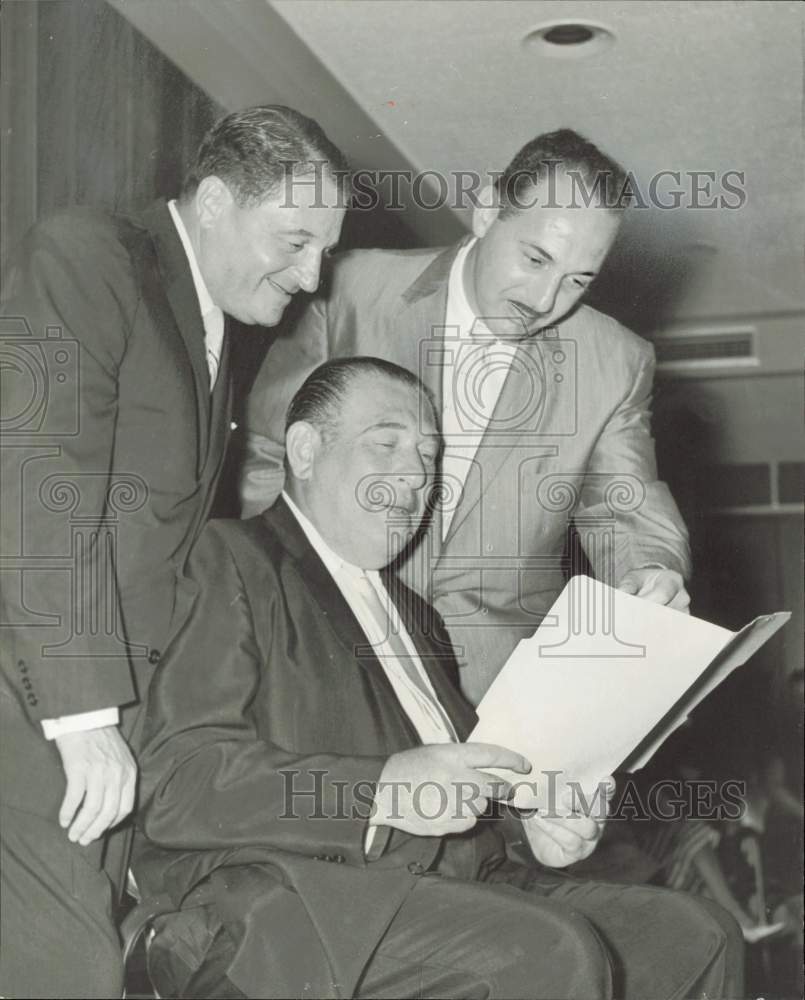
(603, 682)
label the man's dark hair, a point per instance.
(254, 150)
(597, 178)
(320, 396)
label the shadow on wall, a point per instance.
(648, 272)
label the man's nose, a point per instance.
(413, 472)
(543, 296)
(309, 270)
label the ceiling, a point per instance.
(448, 85)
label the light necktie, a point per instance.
(402, 656)
(213, 321)
(475, 381)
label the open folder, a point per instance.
(603, 682)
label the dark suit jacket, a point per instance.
(570, 438)
(271, 673)
(109, 432)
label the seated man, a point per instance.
(303, 757)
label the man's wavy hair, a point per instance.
(253, 151)
(598, 178)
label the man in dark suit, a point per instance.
(544, 402)
(303, 764)
(116, 411)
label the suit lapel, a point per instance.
(423, 308)
(334, 608)
(322, 587)
(421, 320)
(391, 721)
(181, 292)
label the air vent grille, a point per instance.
(690, 348)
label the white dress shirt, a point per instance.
(475, 366)
(211, 316)
(213, 319)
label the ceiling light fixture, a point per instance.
(568, 39)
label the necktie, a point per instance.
(213, 341)
(427, 700)
(474, 382)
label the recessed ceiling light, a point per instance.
(569, 34)
(568, 39)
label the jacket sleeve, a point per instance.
(209, 778)
(69, 301)
(292, 357)
(627, 518)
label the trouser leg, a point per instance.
(734, 956)
(663, 943)
(57, 934)
(471, 941)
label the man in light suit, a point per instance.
(116, 412)
(302, 765)
(544, 402)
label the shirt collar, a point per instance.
(458, 305)
(205, 301)
(336, 565)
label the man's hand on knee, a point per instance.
(101, 779)
(439, 789)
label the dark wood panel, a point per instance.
(18, 100)
(117, 122)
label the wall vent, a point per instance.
(691, 348)
(791, 482)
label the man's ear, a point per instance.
(486, 210)
(302, 442)
(212, 197)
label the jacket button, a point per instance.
(154, 657)
(415, 868)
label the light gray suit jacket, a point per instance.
(569, 440)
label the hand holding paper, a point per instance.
(571, 835)
(603, 682)
(662, 586)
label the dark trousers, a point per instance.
(531, 934)
(528, 934)
(57, 938)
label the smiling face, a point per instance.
(253, 258)
(528, 269)
(364, 483)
